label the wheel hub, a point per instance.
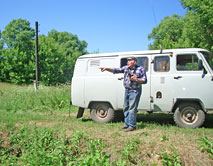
(102, 113)
(189, 115)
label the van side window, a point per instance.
(162, 64)
(187, 62)
(141, 61)
(123, 62)
(93, 66)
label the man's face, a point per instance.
(131, 63)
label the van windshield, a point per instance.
(209, 58)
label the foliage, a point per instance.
(191, 30)
(17, 64)
(130, 151)
(25, 98)
(57, 54)
(70, 141)
(18, 34)
(1, 45)
(201, 12)
(164, 138)
(49, 61)
(206, 146)
(59, 51)
(170, 159)
(167, 33)
(36, 147)
(41, 146)
(94, 155)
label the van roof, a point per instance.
(141, 52)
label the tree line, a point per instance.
(58, 51)
(193, 30)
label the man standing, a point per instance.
(134, 76)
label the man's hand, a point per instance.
(102, 69)
(138, 80)
(106, 69)
(133, 78)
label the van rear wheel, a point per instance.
(102, 113)
(189, 115)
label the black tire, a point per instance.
(189, 115)
(119, 116)
(102, 113)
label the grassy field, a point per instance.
(36, 129)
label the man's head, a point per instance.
(131, 61)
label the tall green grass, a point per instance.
(30, 135)
(16, 98)
(42, 146)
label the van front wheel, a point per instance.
(102, 113)
(189, 115)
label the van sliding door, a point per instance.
(144, 104)
(161, 83)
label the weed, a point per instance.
(35, 147)
(143, 133)
(24, 139)
(77, 142)
(40, 146)
(164, 138)
(170, 159)
(130, 151)
(206, 146)
(94, 155)
(25, 98)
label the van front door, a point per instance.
(191, 82)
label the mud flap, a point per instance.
(80, 112)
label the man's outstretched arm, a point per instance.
(107, 69)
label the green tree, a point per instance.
(167, 33)
(1, 43)
(17, 52)
(49, 60)
(1, 57)
(57, 54)
(70, 48)
(200, 17)
(18, 34)
(195, 29)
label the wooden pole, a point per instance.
(36, 56)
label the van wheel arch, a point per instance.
(180, 101)
(189, 114)
(102, 112)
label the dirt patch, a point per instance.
(37, 124)
(4, 140)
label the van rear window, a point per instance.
(94, 63)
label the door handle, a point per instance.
(121, 78)
(178, 77)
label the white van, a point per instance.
(178, 81)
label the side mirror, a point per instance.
(200, 64)
(201, 67)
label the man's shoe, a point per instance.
(124, 127)
(130, 129)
